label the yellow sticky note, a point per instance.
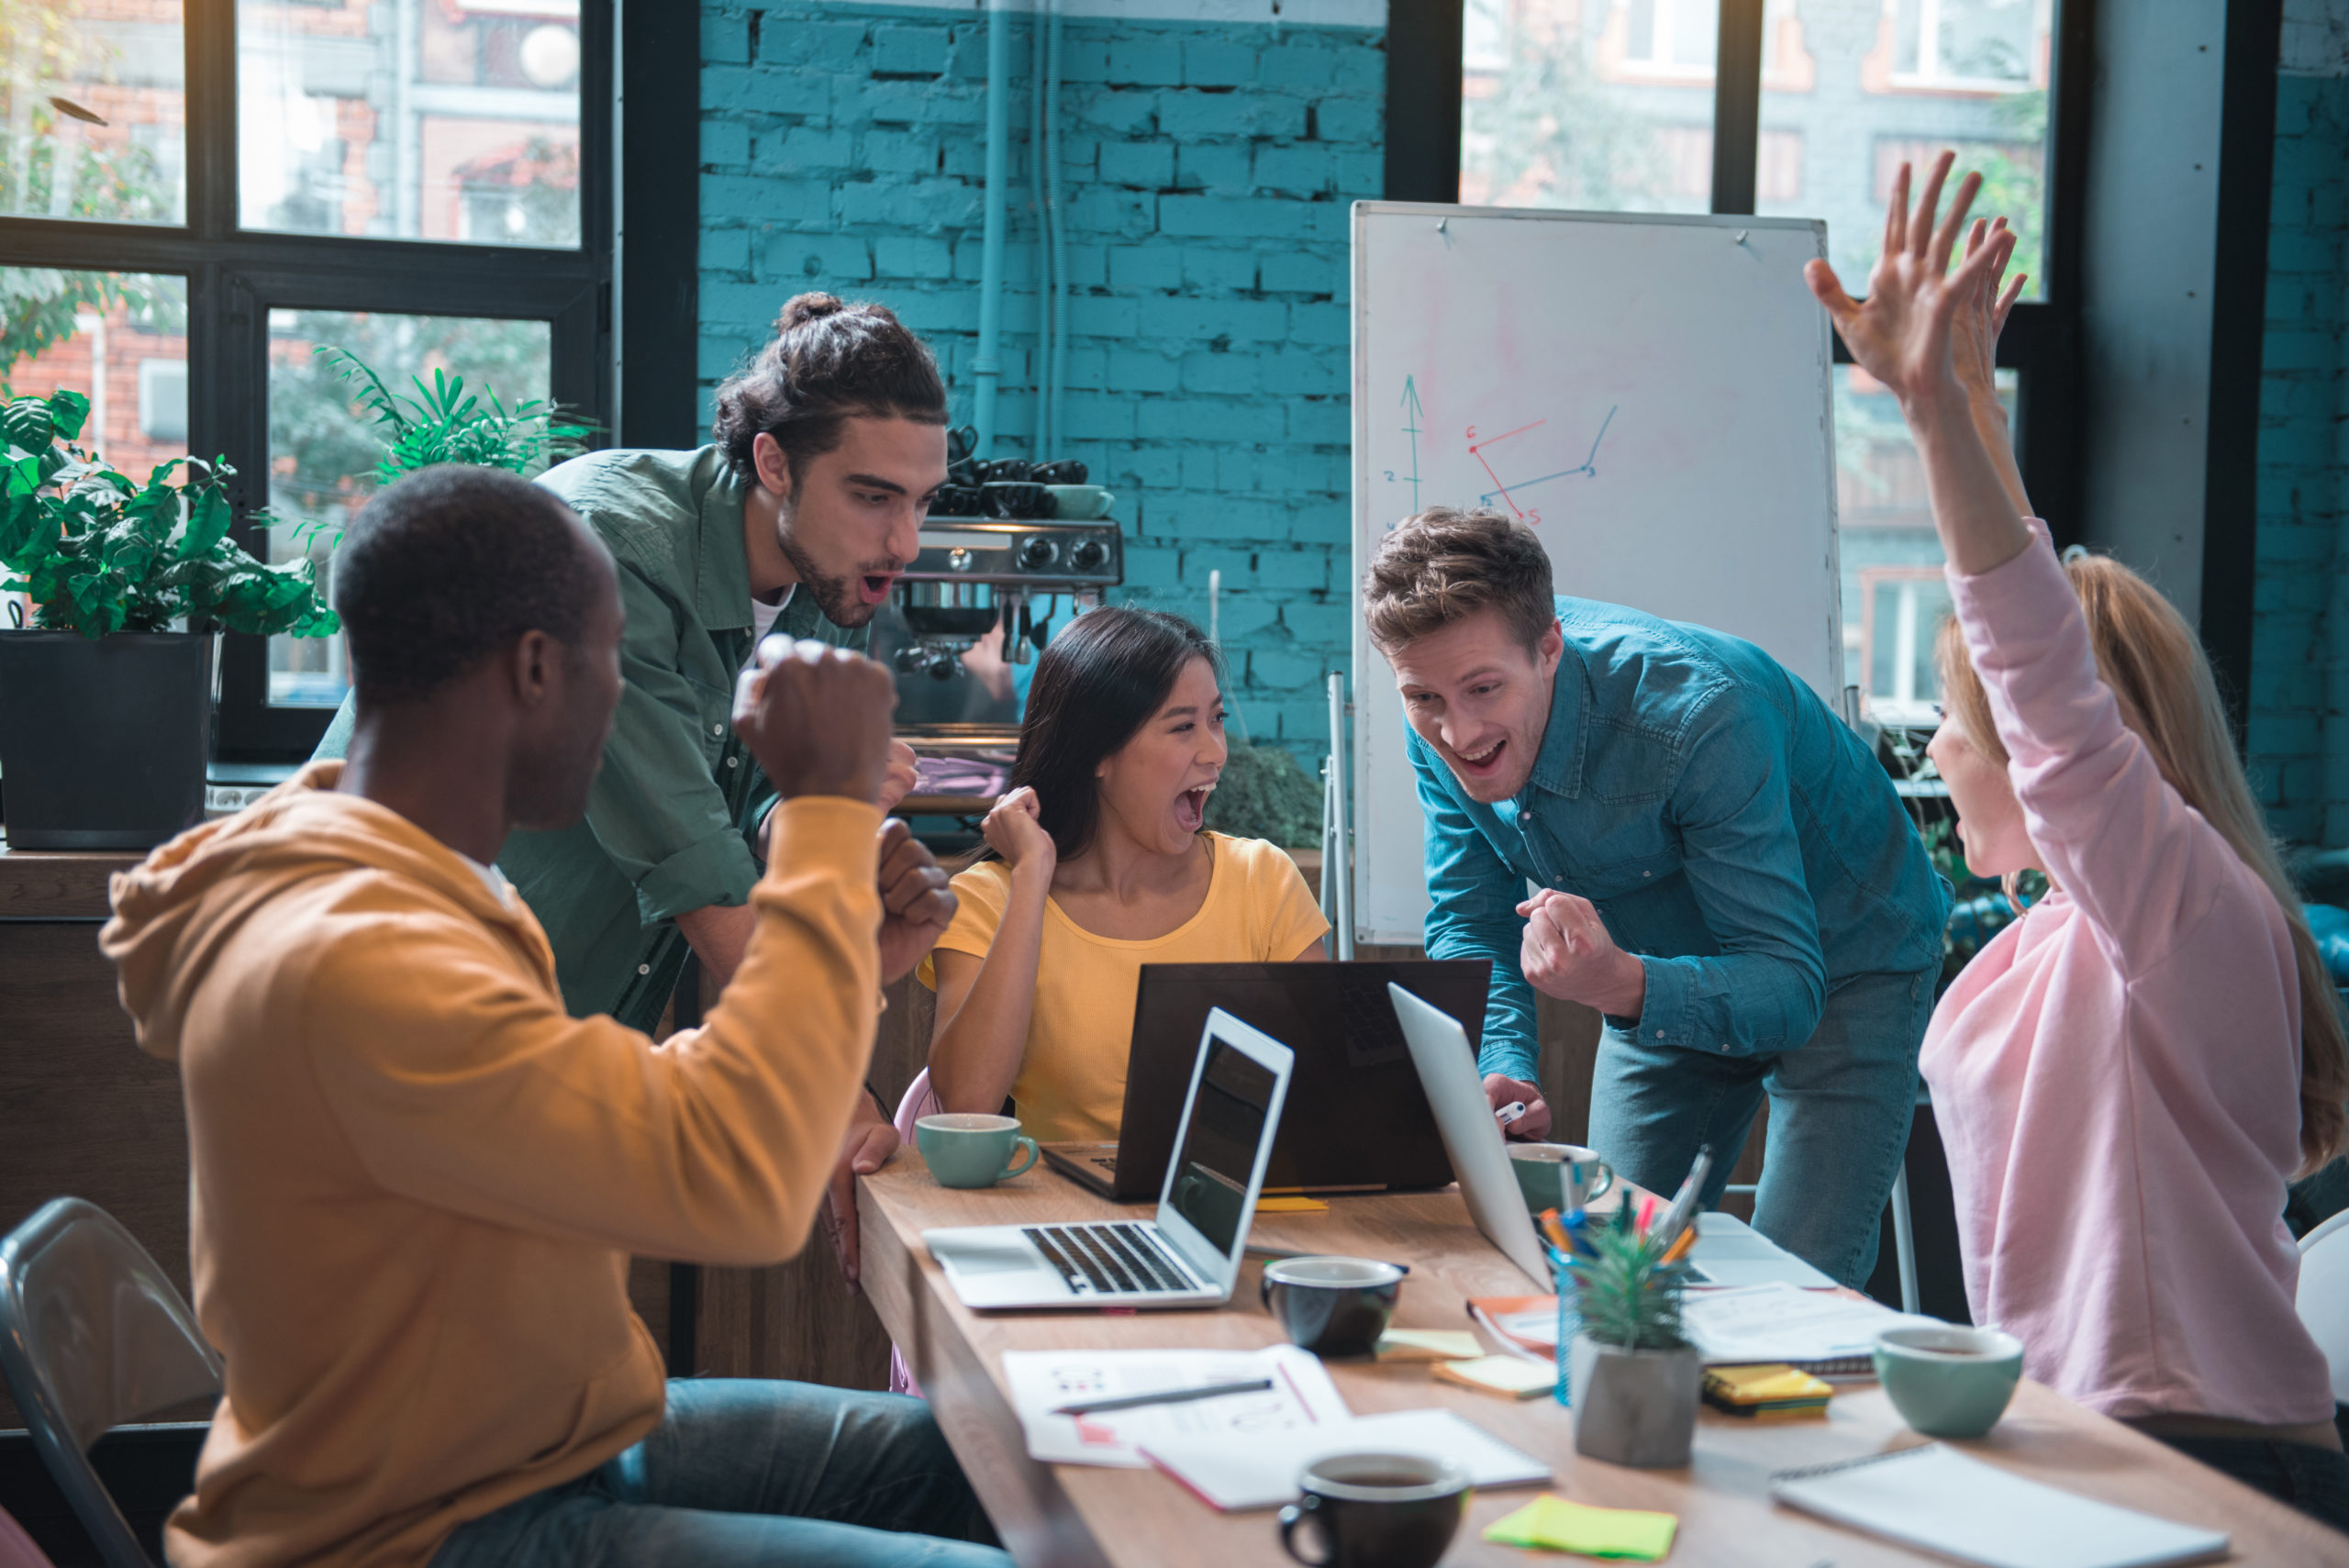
(1553, 1524)
(1428, 1345)
(1291, 1206)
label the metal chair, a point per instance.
(92, 1335)
(2323, 1298)
(1904, 1232)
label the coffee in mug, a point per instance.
(968, 1150)
(1333, 1306)
(1377, 1510)
(1948, 1380)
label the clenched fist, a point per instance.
(816, 718)
(1567, 953)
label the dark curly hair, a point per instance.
(448, 566)
(828, 362)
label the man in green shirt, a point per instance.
(796, 521)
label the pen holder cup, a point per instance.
(1569, 1322)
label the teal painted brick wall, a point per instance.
(1206, 173)
(2299, 728)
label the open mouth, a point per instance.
(1191, 808)
(874, 587)
(1484, 763)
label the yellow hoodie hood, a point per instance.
(416, 1180)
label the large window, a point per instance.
(1807, 108)
(197, 196)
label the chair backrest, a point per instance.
(18, 1549)
(2324, 1298)
(92, 1335)
(918, 1102)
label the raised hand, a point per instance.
(1015, 830)
(816, 718)
(917, 903)
(1567, 953)
(1973, 334)
(1901, 334)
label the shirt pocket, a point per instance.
(1632, 873)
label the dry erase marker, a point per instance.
(1513, 1111)
(1164, 1396)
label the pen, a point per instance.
(1682, 1211)
(1163, 1396)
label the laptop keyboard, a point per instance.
(1109, 1259)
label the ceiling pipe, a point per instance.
(986, 367)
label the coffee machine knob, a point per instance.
(1035, 553)
(911, 659)
(1090, 555)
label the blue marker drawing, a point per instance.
(1588, 467)
(1412, 428)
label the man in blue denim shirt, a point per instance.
(1718, 865)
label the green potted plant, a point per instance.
(105, 707)
(1635, 1377)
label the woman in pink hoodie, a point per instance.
(2126, 1078)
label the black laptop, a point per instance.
(1357, 1119)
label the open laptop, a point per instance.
(1357, 1119)
(1190, 1253)
(1727, 1251)
(1455, 1091)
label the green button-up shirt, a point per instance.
(672, 822)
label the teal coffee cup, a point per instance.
(1563, 1176)
(1949, 1382)
(966, 1150)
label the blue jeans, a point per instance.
(744, 1471)
(1841, 1106)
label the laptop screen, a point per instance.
(1218, 1154)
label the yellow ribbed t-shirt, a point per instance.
(1071, 1082)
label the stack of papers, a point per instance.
(1260, 1471)
(1301, 1398)
(1818, 1332)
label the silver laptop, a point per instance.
(1187, 1256)
(1455, 1091)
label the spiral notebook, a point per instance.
(1937, 1498)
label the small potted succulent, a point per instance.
(105, 707)
(1635, 1378)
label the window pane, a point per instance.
(119, 338)
(324, 445)
(1596, 106)
(1852, 88)
(1894, 598)
(92, 110)
(413, 120)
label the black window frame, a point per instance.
(2042, 340)
(235, 276)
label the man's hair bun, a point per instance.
(802, 309)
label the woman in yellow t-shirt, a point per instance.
(1097, 865)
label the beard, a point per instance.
(836, 595)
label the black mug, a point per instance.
(1377, 1511)
(1333, 1306)
(1068, 471)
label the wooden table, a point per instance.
(1084, 1514)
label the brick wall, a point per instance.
(2300, 699)
(1207, 169)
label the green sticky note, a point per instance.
(1553, 1524)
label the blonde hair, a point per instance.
(2156, 667)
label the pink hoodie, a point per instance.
(2117, 1075)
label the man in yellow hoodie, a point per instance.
(416, 1180)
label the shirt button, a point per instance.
(1647, 874)
(717, 729)
(733, 761)
(1659, 1034)
(644, 969)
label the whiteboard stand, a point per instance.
(1337, 886)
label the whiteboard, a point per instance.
(1652, 393)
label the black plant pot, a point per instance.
(103, 743)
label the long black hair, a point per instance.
(1096, 684)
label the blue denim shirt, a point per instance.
(1729, 828)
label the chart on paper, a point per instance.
(1650, 393)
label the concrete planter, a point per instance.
(103, 743)
(1636, 1408)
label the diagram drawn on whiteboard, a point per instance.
(1586, 469)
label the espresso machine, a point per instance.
(978, 601)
